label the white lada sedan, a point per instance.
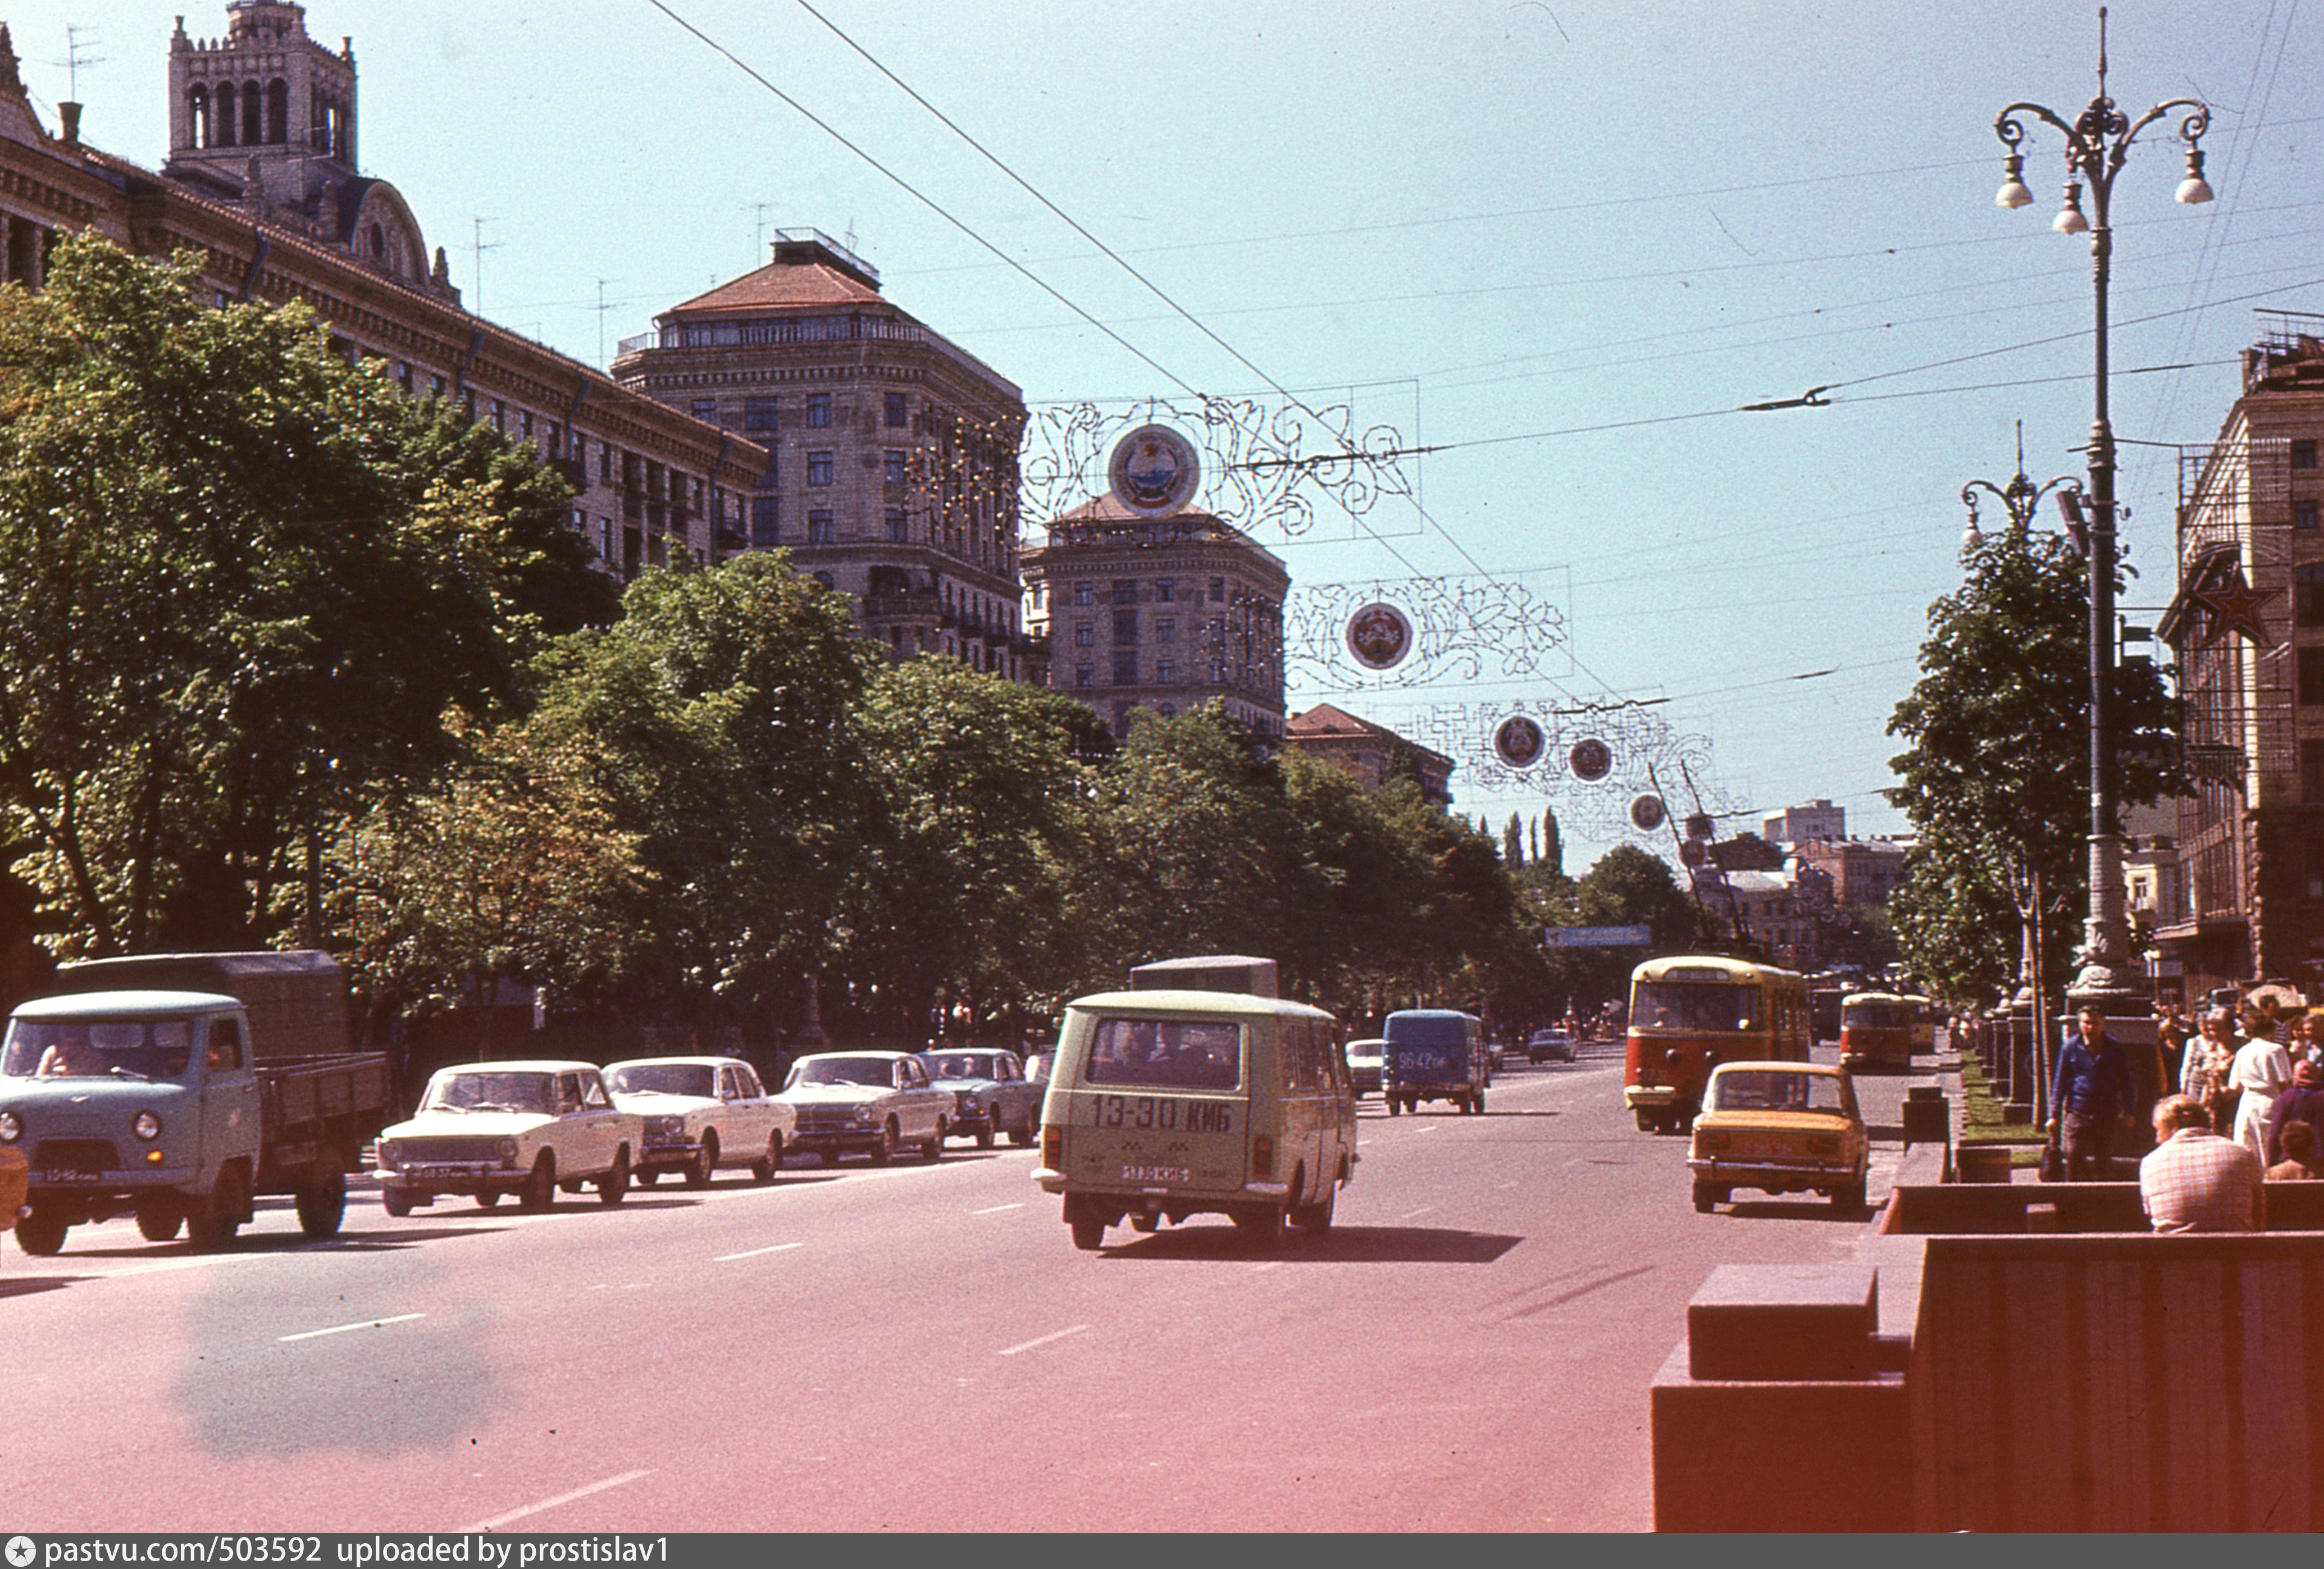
(487, 1129)
(700, 1113)
(871, 1102)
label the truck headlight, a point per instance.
(146, 1126)
(12, 1126)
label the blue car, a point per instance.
(991, 1094)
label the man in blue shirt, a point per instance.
(2092, 1094)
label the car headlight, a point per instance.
(968, 1100)
(665, 1127)
(146, 1126)
(506, 1150)
(12, 1126)
(390, 1155)
(867, 1113)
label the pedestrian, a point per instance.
(2195, 1180)
(2203, 1072)
(2091, 1093)
(2300, 1156)
(2308, 1038)
(2261, 1070)
(2301, 1103)
(2171, 1033)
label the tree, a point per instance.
(1996, 779)
(240, 586)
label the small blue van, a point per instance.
(1433, 1054)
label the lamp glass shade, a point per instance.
(2194, 190)
(2014, 194)
(2071, 222)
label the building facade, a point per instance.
(262, 189)
(2247, 626)
(1818, 819)
(891, 454)
(1863, 872)
(1164, 613)
(1372, 752)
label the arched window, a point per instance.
(378, 244)
(224, 123)
(198, 117)
(253, 130)
(278, 111)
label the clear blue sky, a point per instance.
(1471, 222)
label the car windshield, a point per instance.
(958, 1065)
(1706, 1005)
(663, 1078)
(1771, 1090)
(129, 1048)
(469, 1091)
(1191, 1054)
(876, 1071)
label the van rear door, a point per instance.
(1162, 1104)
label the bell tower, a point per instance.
(265, 106)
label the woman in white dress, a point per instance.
(2262, 1071)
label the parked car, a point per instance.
(488, 1129)
(1364, 1057)
(991, 1094)
(871, 1102)
(700, 1113)
(1548, 1046)
(1781, 1127)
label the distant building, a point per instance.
(1778, 910)
(1864, 872)
(1819, 819)
(1162, 613)
(891, 453)
(1372, 752)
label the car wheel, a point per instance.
(1023, 1136)
(1317, 1216)
(1395, 1108)
(322, 1203)
(615, 1186)
(1089, 1235)
(763, 1169)
(40, 1233)
(539, 1192)
(488, 1198)
(1263, 1226)
(933, 1150)
(887, 1149)
(395, 1201)
(648, 1177)
(158, 1223)
(830, 1157)
(705, 1160)
(1707, 1196)
(211, 1223)
(986, 1134)
(1849, 1198)
(1477, 1102)
(1145, 1224)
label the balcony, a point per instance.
(902, 607)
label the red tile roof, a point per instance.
(779, 286)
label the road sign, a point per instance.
(1596, 936)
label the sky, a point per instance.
(1556, 243)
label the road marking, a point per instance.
(1425, 1128)
(1029, 1345)
(996, 1209)
(343, 1328)
(563, 1498)
(1423, 1210)
(754, 1252)
(1263, 1268)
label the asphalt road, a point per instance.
(917, 1348)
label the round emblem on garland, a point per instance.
(1591, 759)
(1646, 813)
(1379, 635)
(1154, 471)
(1520, 742)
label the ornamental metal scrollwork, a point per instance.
(1464, 629)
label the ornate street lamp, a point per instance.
(2097, 143)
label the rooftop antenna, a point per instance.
(478, 246)
(601, 309)
(849, 241)
(77, 56)
(759, 210)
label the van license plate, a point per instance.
(59, 1178)
(1154, 1174)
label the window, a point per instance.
(1217, 591)
(704, 410)
(1165, 589)
(1166, 671)
(604, 462)
(892, 467)
(895, 410)
(818, 468)
(766, 525)
(2303, 514)
(1125, 626)
(1085, 677)
(524, 425)
(1084, 634)
(1081, 595)
(818, 409)
(2303, 455)
(1125, 591)
(2311, 677)
(900, 528)
(1125, 666)
(2308, 593)
(759, 414)
(819, 529)
(2312, 778)
(1166, 629)
(500, 416)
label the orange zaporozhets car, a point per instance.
(1781, 1127)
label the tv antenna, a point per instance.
(79, 39)
(478, 245)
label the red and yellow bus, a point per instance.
(1876, 1031)
(1690, 1013)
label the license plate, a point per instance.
(1154, 1174)
(447, 1170)
(59, 1177)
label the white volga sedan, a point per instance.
(488, 1129)
(874, 1103)
(700, 1113)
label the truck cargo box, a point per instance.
(297, 1001)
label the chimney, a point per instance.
(70, 114)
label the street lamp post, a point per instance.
(2097, 143)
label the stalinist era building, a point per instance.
(262, 188)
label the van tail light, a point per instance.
(1262, 1156)
(1052, 1146)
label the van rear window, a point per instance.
(1185, 1054)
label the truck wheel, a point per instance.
(1394, 1105)
(1317, 1216)
(540, 1192)
(1646, 1121)
(40, 1233)
(395, 1201)
(1089, 1236)
(615, 1186)
(488, 1198)
(1263, 1226)
(705, 1160)
(211, 1222)
(763, 1169)
(322, 1202)
(160, 1222)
